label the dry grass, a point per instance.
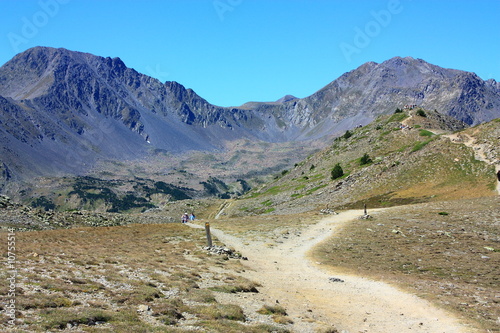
(134, 278)
(236, 284)
(447, 252)
(277, 312)
(273, 310)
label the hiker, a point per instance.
(185, 218)
(192, 217)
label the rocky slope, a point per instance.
(61, 111)
(359, 96)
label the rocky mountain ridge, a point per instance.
(61, 111)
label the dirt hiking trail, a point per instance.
(479, 151)
(318, 296)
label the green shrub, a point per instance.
(347, 134)
(337, 171)
(421, 113)
(365, 159)
(177, 193)
(43, 202)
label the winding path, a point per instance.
(478, 149)
(355, 305)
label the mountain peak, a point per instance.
(403, 61)
(286, 98)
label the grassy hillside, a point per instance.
(398, 159)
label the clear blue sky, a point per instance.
(234, 51)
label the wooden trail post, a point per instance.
(209, 237)
(366, 216)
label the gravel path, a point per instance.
(319, 296)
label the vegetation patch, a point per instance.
(220, 311)
(337, 172)
(61, 318)
(274, 190)
(419, 145)
(383, 200)
(365, 159)
(43, 202)
(176, 193)
(272, 310)
(237, 284)
(267, 203)
(397, 117)
(314, 189)
(421, 113)
(93, 191)
(424, 132)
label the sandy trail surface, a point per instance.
(351, 304)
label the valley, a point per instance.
(431, 240)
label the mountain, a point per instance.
(359, 96)
(62, 111)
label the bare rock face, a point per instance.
(60, 111)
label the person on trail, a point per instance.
(185, 218)
(192, 217)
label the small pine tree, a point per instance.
(347, 134)
(398, 110)
(365, 159)
(337, 171)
